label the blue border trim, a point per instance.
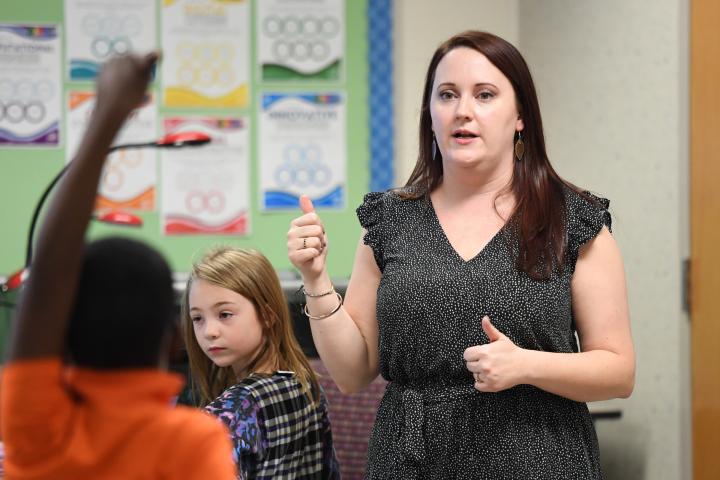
(382, 128)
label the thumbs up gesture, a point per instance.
(307, 241)
(497, 365)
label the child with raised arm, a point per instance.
(85, 391)
(250, 370)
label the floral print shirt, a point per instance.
(276, 430)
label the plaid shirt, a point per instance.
(277, 433)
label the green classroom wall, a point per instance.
(24, 173)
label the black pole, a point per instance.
(41, 202)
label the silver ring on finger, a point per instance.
(304, 243)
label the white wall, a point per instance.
(612, 81)
(612, 77)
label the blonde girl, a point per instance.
(250, 371)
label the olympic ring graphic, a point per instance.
(130, 158)
(292, 26)
(7, 89)
(95, 25)
(120, 161)
(225, 53)
(301, 51)
(185, 51)
(205, 64)
(281, 50)
(305, 176)
(302, 167)
(319, 50)
(26, 89)
(111, 25)
(205, 53)
(17, 112)
(329, 26)
(113, 178)
(308, 26)
(91, 24)
(205, 76)
(103, 47)
(44, 90)
(212, 201)
(273, 26)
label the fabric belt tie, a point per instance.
(412, 402)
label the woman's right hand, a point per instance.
(307, 242)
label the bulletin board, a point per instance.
(25, 171)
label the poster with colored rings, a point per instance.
(30, 85)
(300, 40)
(302, 149)
(98, 30)
(205, 190)
(130, 175)
(206, 53)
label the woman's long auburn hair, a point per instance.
(539, 214)
(250, 274)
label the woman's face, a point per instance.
(226, 326)
(473, 111)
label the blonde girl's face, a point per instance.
(226, 326)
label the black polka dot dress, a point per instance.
(432, 423)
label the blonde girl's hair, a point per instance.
(250, 274)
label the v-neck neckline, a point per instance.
(446, 240)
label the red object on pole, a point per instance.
(173, 140)
(16, 279)
(120, 218)
(184, 138)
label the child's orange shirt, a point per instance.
(69, 423)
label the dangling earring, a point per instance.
(519, 147)
(434, 147)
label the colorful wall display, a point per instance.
(207, 191)
(30, 85)
(206, 48)
(300, 40)
(130, 175)
(302, 149)
(97, 30)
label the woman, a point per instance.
(469, 287)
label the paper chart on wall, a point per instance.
(206, 53)
(302, 149)
(300, 40)
(97, 30)
(130, 176)
(206, 190)
(30, 85)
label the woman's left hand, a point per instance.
(497, 365)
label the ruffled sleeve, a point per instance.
(586, 216)
(371, 214)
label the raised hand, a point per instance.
(497, 365)
(307, 241)
(122, 83)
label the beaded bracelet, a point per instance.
(320, 317)
(317, 295)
